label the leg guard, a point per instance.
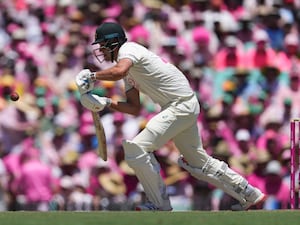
(147, 170)
(218, 174)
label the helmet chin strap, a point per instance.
(112, 53)
(112, 56)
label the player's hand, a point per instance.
(94, 102)
(85, 81)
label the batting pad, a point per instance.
(218, 174)
(147, 170)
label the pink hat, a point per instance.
(114, 11)
(139, 32)
(200, 34)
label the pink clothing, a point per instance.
(139, 34)
(94, 185)
(277, 188)
(224, 59)
(87, 160)
(12, 166)
(282, 193)
(286, 62)
(256, 181)
(280, 139)
(113, 10)
(257, 59)
(12, 163)
(36, 181)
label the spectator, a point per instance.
(288, 96)
(79, 199)
(114, 190)
(204, 46)
(231, 55)
(276, 189)
(261, 54)
(258, 176)
(35, 184)
(60, 199)
(244, 33)
(140, 35)
(270, 79)
(179, 189)
(242, 160)
(288, 56)
(273, 26)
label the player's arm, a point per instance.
(131, 106)
(116, 72)
(85, 79)
(96, 103)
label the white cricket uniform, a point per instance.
(167, 86)
(160, 80)
(177, 121)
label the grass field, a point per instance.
(255, 217)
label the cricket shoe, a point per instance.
(149, 206)
(254, 200)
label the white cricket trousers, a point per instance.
(177, 122)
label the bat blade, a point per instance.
(101, 138)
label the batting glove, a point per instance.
(94, 102)
(85, 80)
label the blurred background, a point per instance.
(241, 57)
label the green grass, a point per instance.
(255, 217)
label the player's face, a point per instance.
(102, 53)
(105, 50)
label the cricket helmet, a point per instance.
(108, 31)
(110, 36)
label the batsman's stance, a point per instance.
(143, 71)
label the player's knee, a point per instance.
(134, 154)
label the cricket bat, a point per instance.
(101, 138)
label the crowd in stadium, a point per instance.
(242, 60)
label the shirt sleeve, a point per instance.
(130, 51)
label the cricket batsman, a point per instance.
(145, 72)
